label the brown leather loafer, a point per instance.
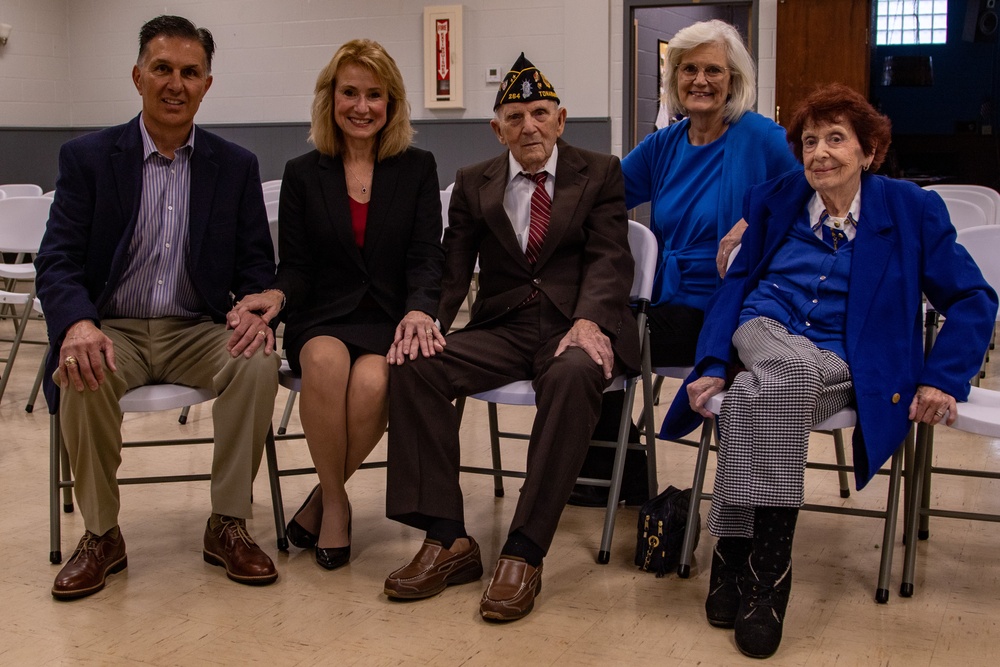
(511, 593)
(87, 570)
(433, 569)
(229, 545)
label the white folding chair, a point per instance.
(21, 190)
(980, 415)
(845, 418)
(22, 224)
(965, 214)
(986, 198)
(642, 243)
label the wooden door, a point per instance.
(820, 41)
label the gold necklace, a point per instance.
(364, 188)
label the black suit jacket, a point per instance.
(85, 248)
(324, 274)
(584, 268)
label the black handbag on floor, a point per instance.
(662, 521)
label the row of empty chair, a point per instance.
(970, 205)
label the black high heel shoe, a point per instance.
(294, 531)
(335, 557)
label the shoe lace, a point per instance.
(87, 543)
(237, 527)
(764, 593)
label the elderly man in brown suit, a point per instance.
(548, 224)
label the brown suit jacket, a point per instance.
(585, 267)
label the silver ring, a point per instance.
(939, 413)
(261, 333)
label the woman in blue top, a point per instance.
(822, 305)
(695, 173)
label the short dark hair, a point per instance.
(177, 26)
(834, 103)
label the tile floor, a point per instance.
(171, 608)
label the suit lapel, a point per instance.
(491, 194)
(873, 245)
(204, 176)
(127, 167)
(338, 210)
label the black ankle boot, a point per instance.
(729, 560)
(761, 615)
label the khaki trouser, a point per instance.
(179, 351)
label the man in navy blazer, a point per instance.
(156, 228)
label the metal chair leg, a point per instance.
(915, 479)
(33, 396)
(838, 447)
(287, 414)
(55, 444)
(617, 470)
(889, 533)
(693, 525)
(491, 409)
(273, 477)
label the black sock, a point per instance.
(735, 550)
(520, 546)
(773, 531)
(446, 531)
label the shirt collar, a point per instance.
(817, 210)
(149, 146)
(514, 168)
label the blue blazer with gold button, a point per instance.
(906, 248)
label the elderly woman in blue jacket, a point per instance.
(822, 305)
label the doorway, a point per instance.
(649, 26)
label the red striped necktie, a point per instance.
(541, 210)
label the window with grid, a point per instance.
(911, 22)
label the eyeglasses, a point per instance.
(689, 71)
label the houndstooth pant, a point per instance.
(765, 420)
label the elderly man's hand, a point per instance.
(728, 244)
(931, 405)
(416, 333)
(85, 350)
(250, 331)
(267, 304)
(701, 390)
(587, 336)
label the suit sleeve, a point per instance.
(608, 266)
(294, 251)
(956, 287)
(62, 254)
(254, 267)
(462, 237)
(425, 257)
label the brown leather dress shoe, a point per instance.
(433, 569)
(511, 593)
(94, 559)
(227, 543)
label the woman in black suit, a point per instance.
(359, 244)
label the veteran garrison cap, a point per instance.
(524, 83)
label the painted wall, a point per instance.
(67, 62)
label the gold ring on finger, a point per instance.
(70, 361)
(261, 333)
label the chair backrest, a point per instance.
(21, 189)
(272, 224)
(965, 214)
(642, 243)
(451, 186)
(983, 243)
(986, 198)
(271, 185)
(445, 203)
(22, 223)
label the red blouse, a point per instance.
(359, 220)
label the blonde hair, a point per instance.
(397, 135)
(743, 74)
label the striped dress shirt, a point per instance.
(155, 282)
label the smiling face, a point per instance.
(530, 130)
(360, 104)
(172, 78)
(833, 158)
(698, 94)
